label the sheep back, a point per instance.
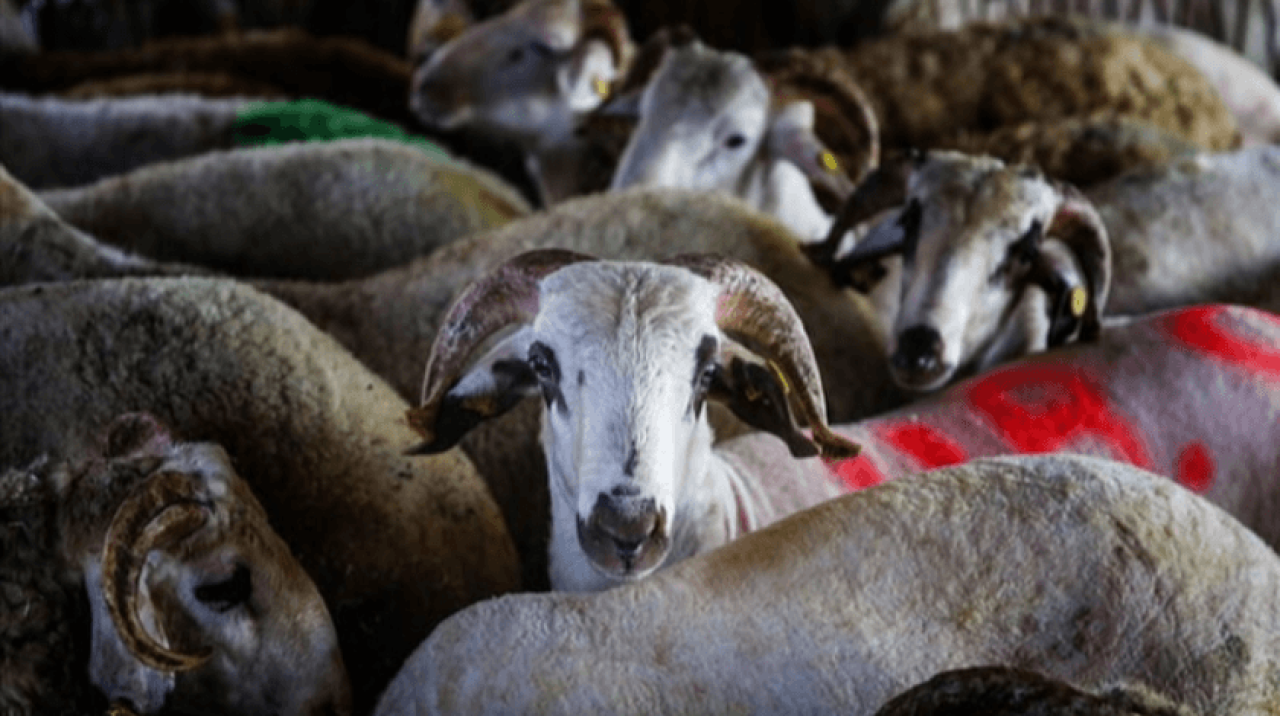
(1079, 568)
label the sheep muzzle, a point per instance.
(625, 537)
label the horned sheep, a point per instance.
(999, 260)
(319, 438)
(1085, 570)
(322, 211)
(149, 571)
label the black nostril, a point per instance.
(919, 349)
(627, 549)
(624, 491)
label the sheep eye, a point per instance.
(515, 55)
(543, 364)
(706, 377)
(735, 140)
(227, 594)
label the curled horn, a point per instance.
(807, 77)
(163, 510)
(506, 295)
(1078, 225)
(753, 311)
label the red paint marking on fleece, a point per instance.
(1197, 328)
(929, 446)
(857, 473)
(1195, 468)
(1067, 406)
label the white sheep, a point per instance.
(51, 142)
(999, 260)
(525, 77)
(323, 211)
(193, 601)
(394, 543)
(625, 357)
(1085, 570)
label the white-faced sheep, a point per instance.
(525, 77)
(149, 571)
(394, 543)
(625, 357)
(998, 260)
(1088, 571)
(322, 211)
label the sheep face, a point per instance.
(625, 356)
(521, 75)
(197, 603)
(970, 232)
(623, 360)
(703, 117)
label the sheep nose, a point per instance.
(918, 361)
(625, 534)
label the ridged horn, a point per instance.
(1078, 225)
(506, 295)
(163, 510)
(602, 19)
(755, 312)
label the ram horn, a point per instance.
(505, 296)
(603, 20)
(162, 511)
(754, 312)
(881, 189)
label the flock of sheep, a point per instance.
(884, 360)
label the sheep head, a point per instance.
(710, 120)
(524, 74)
(624, 355)
(974, 235)
(196, 602)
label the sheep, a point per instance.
(1004, 691)
(524, 77)
(625, 356)
(344, 71)
(710, 120)
(1188, 393)
(223, 619)
(999, 260)
(37, 245)
(322, 211)
(1033, 69)
(435, 22)
(394, 543)
(1085, 570)
(50, 142)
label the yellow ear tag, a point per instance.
(1079, 300)
(601, 86)
(782, 379)
(829, 162)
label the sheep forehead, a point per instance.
(642, 318)
(697, 84)
(978, 199)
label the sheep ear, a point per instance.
(1079, 227)
(753, 393)
(134, 433)
(792, 137)
(1057, 273)
(586, 78)
(488, 389)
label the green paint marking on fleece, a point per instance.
(313, 120)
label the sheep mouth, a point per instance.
(625, 551)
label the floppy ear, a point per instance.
(1079, 227)
(791, 137)
(753, 393)
(494, 385)
(586, 76)
(1056, 272)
